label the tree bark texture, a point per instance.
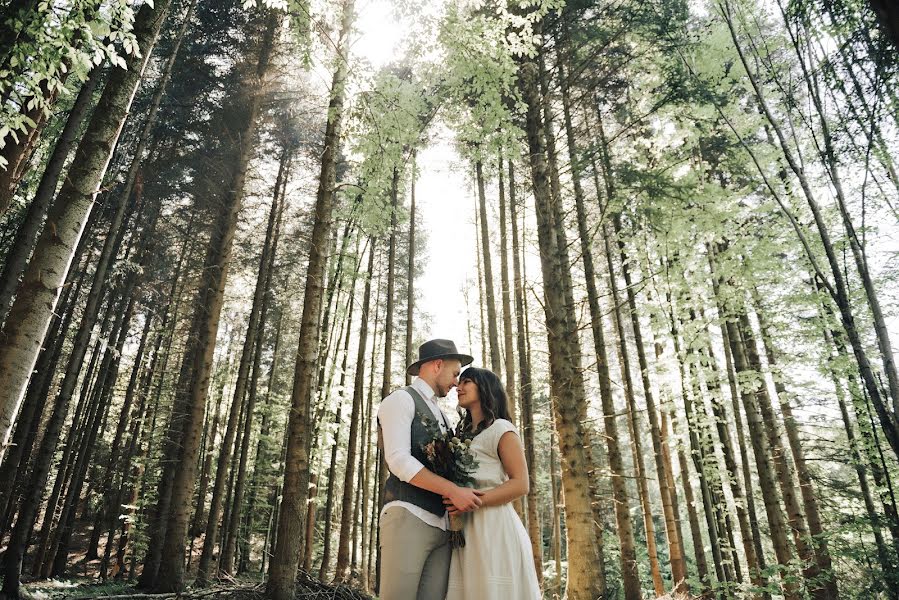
(38, 292)
(285, 559)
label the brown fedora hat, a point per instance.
(437, 349)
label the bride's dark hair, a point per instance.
(494, 403)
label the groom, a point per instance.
(415, 557)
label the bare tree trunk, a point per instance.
(387, 372)
(37, 395)
(508, 353)
(102, 520)
(263, 451)
(756, 536)
(342, 571)
(240, 387)
(883, 555)
(526, 387)
(483, 320)
(585, 580)
(697, 454)
(369, 467)
(109, 370)
(619, 481)
(347, 327)
(827, 589)
(26, 235)
(208, 311)
(270, 248)
(633, 425)
(30, 315)
(702, 566)
(489, 298)
(31, 498)
(675, 553)
(410, 278)
(557, 504)
(172, 439)
(761, 450)
(283, 568)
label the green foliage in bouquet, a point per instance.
(449, 453)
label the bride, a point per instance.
(496, 561)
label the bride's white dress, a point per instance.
(496, 562)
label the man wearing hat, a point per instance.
(415, 557)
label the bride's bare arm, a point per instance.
(511, 454)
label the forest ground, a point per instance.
(84, 588)
(83, 585)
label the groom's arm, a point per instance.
(395, 415)
(463, 499)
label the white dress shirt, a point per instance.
(395, 414)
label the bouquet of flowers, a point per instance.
(450, 456)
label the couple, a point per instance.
(417, 562)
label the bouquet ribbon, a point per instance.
(456, 535)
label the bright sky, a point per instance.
(445, 201)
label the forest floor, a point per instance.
(81, 588)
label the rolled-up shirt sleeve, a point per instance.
(395, 415)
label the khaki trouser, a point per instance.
(415, 558)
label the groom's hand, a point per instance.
(463, 500)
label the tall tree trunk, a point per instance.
(619, 480)
(762, 452)
(109, 371)
(30, 315)
(482, 332)
(240, 385)
(784, 469)
(633, 424)
(623, 352)
(410, 278)
(702, 567)
(675, 552)
(347, 328)
(208, 311)
(488, 299)
(584, 579)
(387, 372)
(33, 492)
(37, 395)
(698, 455)
(263, 449)
(756, 537)
(827, 588)
(342, 572)
(506, 297)
(883, 555)
(270, 248)
(526, 387)
(283, 568)
(172, 439)
(721, 426)
(369, 467)
(26, 235)
(102, 520)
